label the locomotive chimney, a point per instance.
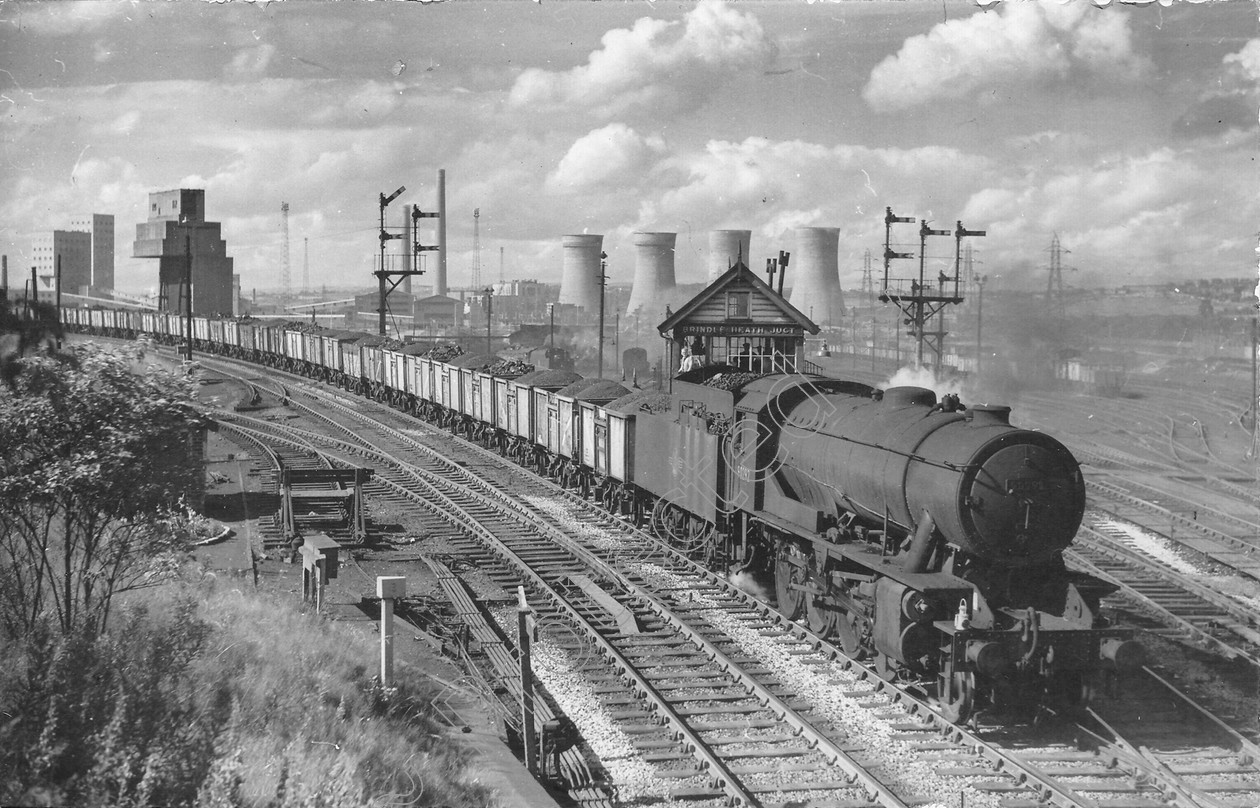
(653, 273)
(724, 247)
(816, 288)
(579, 283)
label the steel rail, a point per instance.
(1175, 790)
(1195, 635)
(1117, 492)
(1211, 595)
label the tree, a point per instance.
(96, 452)
(25, 329)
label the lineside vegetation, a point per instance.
(123, 682)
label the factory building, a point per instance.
(176, 233)
(86, 250)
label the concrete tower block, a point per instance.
(724, 247)
(814, 275)
(653, 274)
(579, 283)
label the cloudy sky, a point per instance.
(1129, 131)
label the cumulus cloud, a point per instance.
(1230, 103)
(614, 153)
(1117, 213)
(1021, 43)
(757, 175)
(654, 64)
(1244, 66)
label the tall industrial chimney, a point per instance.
(653, 274)
(724, 247)
(816, 275)
(579, 284)
(408, 239)
(439, 279)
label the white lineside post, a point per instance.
(523, 629)
(388, 589)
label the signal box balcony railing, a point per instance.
(932, 289)
(764, 363)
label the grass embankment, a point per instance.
(212, 697)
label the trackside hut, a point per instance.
(738, 320)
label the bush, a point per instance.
(217, 699)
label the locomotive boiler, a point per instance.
(922, 534)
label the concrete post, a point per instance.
(529, 736)
(388, 589)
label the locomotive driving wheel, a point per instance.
(849, 630)
(823, 619)
(789, 570)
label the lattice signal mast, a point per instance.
(306, 264)
(923, 299)
(476, 267)
(284, 258)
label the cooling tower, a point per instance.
(653, 273)
(815, 275)
(725, 246)
(579, 284)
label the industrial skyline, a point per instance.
(1127, 131)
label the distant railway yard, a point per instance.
(661, 682)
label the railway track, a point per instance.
(1202, 760)
(1203, 528)
(1177, 607)
(712, 735)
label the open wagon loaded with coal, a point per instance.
(924, 536)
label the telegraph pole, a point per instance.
(979, 280)
(603, 282)
(551, 347)
(489, 312)
(57, 293)
(188, 286)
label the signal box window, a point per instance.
(738, 305)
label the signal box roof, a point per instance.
(709, 306)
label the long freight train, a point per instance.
(922, 535)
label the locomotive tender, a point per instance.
(922, 535)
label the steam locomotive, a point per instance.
(921, 535)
